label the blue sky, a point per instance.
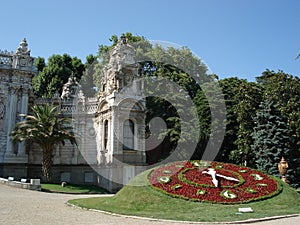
(234, 37)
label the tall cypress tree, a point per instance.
(270, 137)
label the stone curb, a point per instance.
(75, 193)
(18, 184)
(185, 222)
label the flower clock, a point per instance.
(213, 182)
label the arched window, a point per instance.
(105, 134)
(128, 135)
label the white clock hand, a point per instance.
(215, 181)
(228, 178)
(212, 173)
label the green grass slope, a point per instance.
(73, 189)
(139, 199)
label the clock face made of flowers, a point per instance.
(213, 182)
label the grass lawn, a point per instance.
(145, 201)
(73, 189)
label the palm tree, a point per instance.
(46, 127)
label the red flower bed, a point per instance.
(191, 180)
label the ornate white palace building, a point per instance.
(110, 127)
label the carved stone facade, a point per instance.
(16, 72)
(111, 126)
(121, 113)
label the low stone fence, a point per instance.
(34, 184)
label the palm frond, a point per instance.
(44, 126)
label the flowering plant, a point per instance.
(227, 183)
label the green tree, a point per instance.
(229, 87)
(242, 100)
(169, 102)
(40, 64)
(209, 102)
(183, 68)
(46, 127)
(284, 90)
(55, 74)
(248, 97)
(271, 138)
(87, 80)
(204, 116)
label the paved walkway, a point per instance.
(19, 206)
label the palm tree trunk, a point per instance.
(47, 163)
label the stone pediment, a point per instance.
(131, 105)
(103, 106)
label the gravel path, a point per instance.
(19, 206)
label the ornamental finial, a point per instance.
(23, 48)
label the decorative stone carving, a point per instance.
(121, 67)
(2, 107)
(23, 48)
(5, 58)
(22, 59)
(70, 89)
(122, 54)
(118, 102)
(2, 112)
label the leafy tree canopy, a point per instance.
(53, 75)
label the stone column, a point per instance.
(99, 141)
(114, 131)
(11, 119)
(109, 145)
(81, 126)
(140, 134)
(24, 110)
